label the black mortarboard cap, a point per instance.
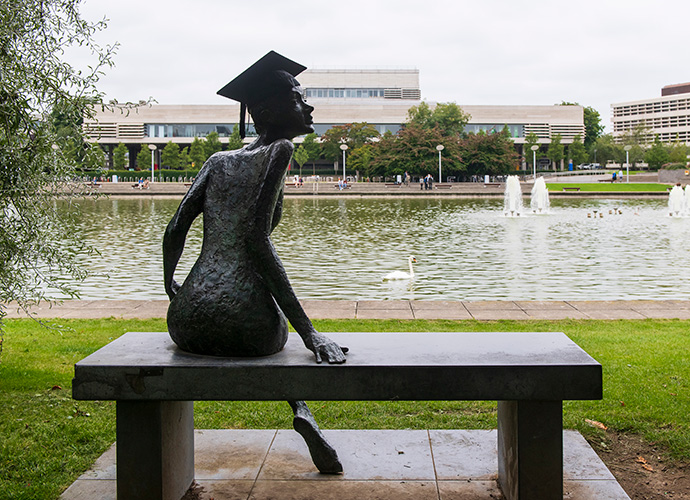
(254, 83)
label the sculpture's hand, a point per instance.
(172, 289)
(325, 349)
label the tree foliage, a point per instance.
(657, 154)
(556, 151)
(448, 117)
(576, 151)
(120, 156)
(144, 157)
(212, 144)
(592, 122)
(197, 154)
(355, 135)
(532, 139)
(413, 150)
(607, 150)
(170, 156)
(38, 250)
(235, 141)
(489, 154)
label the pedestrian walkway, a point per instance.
(394, 309)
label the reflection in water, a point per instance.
(465, 249)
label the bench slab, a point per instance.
(155, 384)
(380, 366)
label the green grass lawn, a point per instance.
(47, 439)
(617, 187)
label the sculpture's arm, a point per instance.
(271, 268)
(178, 227)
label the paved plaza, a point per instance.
(378, 464)
(395, 309)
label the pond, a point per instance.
(465, 249)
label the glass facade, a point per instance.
(514, 130)
(187, 130)
(344, 93)
(321, 128)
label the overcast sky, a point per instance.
(595, 52)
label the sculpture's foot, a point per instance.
(322, 453)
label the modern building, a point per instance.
(380, 97)
(666, 117)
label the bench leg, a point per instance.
(530, 449)
(155, 449)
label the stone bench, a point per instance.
(155, 384)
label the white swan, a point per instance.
(402, 275)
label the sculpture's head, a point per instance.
(273, 96)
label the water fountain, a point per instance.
(512, 205)
(676, 201)
(539, 197)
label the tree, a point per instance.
(606, 149)
(185, 160)
(413, 150)
(577, 151)
(235, 141)
(448, 117)
(556, 150)
(592, 122)
(657, 155)
(593, 126)
(355, 135)
(144, 157)
(489, 154)
(300, 156)
(212, 144)
(120, 156)
(678, 152)
(311, 147)
(636, 137)
(532, 139)
(197, 154)
(170, 156)
(38, 251)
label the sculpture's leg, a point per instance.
(322, 453)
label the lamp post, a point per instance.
(344, 148)
(439, 148)
(627, 164)
(152, 147)
(534, 160)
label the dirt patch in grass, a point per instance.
(643, 469)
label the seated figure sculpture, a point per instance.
(235, 299)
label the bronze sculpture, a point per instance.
(236, 298)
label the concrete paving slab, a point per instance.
(385, 314)
(501, 305)
(597, 305)
(365, 305)
(374, 455)
(664, 313)
(544, 305)
(344, 490)
(330, 309)
(450, 314)
(469, 490)
(452, 452)
(498, 314)
(614, 314)
(555, 314)
(230, 455)
(381, 464)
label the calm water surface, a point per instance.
(466, 249)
